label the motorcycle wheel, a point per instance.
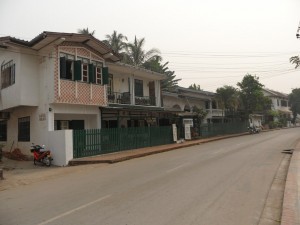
(47, 161)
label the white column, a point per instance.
(157, 93)
(50, 118)
(132, 94)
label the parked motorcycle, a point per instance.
(40, 155)
(253, 130)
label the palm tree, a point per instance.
(155, 65)
(295, 60)
(195, 87)
(136, 55)
(228, 98)
(85, 31)
(116, 41)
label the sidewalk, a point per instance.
(141, 152)
(291, 200)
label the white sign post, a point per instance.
(187, 132)
(174, 132)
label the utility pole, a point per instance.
(298, 31)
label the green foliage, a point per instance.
(275, 124)
(228, 98)
(116, 41)
(295, 60)
(294, 99)
(155, 65)
(200, 113)
(195, 87)
(135, 54)
(251, 94)
(85, 31)
(273, 113)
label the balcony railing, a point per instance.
(145, 100)
(119, 98)
(125, 98)
(215, 112)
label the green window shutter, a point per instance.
(63, 67)
(105, 75)
(77, 70)
(92, 78)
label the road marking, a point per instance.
(74, 210)
(176, 168)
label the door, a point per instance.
(76, 124)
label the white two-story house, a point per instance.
(63, 81)
(182, 102)
(280, 103)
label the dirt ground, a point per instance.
(18, 173)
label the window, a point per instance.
(24, 129)
(214, 104)
(138, 88)
(3, 130)
(207, 105)
(66, 66)
(7, 74)
(284, 103)
(84, 69)
(98, 73)
(97, 66)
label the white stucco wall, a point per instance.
(25, 91)
(61, 146)
(38, 133)
(90, 114)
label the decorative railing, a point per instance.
(215, 112)
(145, 100)
(119, 98)
(125, 98)
(75, 92)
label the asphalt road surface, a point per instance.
(222, 182)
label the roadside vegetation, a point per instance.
(237, 103)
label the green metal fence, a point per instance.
(101, 141)
(209, 130)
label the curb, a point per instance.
(143, 154)
(164, 148)
(291, 207)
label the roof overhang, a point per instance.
(123, 68)
(47, 39)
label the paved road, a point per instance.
(222, 182)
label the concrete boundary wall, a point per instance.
(60, 143)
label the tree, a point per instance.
(294, 99)
(135, 54)
(228, 98)
(251, 94)
(85, 31)
(295, 60)
(155, 65)
(116, 41)
(195, 87)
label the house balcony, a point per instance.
(125, 98)
(74, 92)
(119, 98)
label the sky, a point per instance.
(211, 43)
